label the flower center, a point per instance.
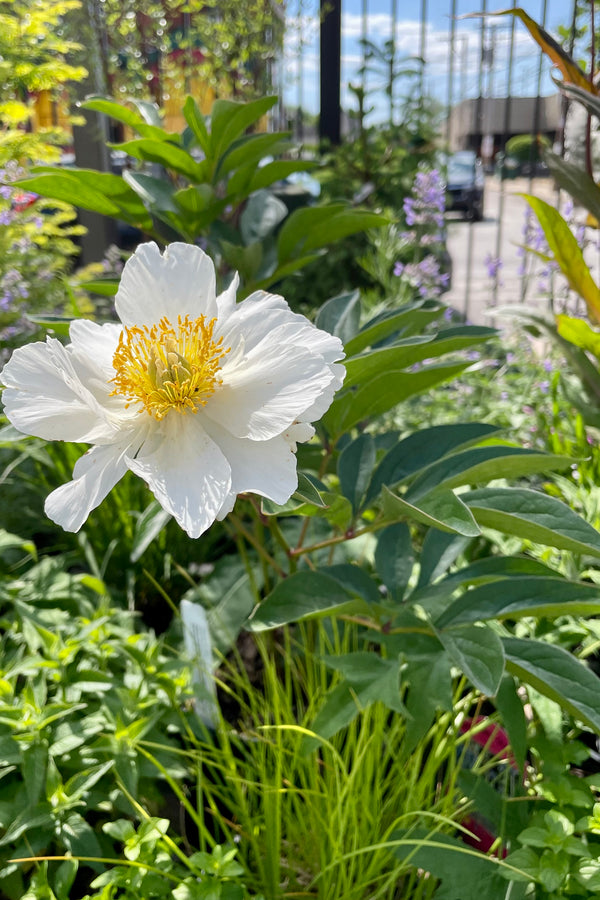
(169, 366)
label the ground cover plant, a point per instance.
(351, 627)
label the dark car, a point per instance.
(464, 184)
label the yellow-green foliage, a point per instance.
(33, 58)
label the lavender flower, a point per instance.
(425, 276)
(425, 206)
(493, 265)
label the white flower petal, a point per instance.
(185, 470)
(179, 282)
(226, 302)
(298, 433)
(322, 403)
(96, 344)
(268, 389)
(94, 475)
(261, 313)
(267, 468)
(44, 396)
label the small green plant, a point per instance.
(560, 848)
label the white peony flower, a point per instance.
(201, 397)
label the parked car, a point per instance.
(464, 184)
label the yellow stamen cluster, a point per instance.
(169, 366)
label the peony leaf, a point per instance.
(480, 465)
(557, 674)
(340, 315)
(355, 467)
(515, 597)
(533, 516)
(407, 320)
(422, 448)
(478, 652)
(304, 595)
(443, 510)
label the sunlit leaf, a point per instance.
(569, 69)
(567, 253)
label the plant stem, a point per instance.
(339, 539)
(237, 524)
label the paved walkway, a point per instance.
(473, 244)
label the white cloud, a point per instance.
(301, 57)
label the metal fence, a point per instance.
(491, 82)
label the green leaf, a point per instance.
(296, 226)
(100, 192)
(579, 333)
(394, 558)
(583, 96)
(510, 706)
(560, 58)
(410, 351)
(251, 149)
(276, 275)
(303, 596)
(165, 154)
(479, 653)
(155, 193)
(230, 119)
(355, 580)
(194, 199)
(64, 878)
(443, 510)
(382, 393)
(123, 114)
(372, 677)
(79, 785)
(440, 549)
(368, 678)
(533, 516)
(429, 688)
(104, 287)
(314, 227)
(523, 596)
(483, 571)
(66, 186)
(308, 491)
(340, 315)
(556, 674)
(261, 216)
(33, 768)
(195, 119)
(390, 322)
(278, 171)
(355, 466)
(40, 816)
(575, 181)
(340, 225)
(482, 464)
(421, 449)
(567, 253)
(466, 874)
(148, 526)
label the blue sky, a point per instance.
(301, 78)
